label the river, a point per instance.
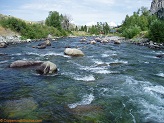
(110, 84)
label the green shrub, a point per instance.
(131, 31)
(32, 31)
(156, 32)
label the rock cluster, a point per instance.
(43, 68)
(150, 44)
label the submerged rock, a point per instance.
(73, 52)
(160, 56)
(19, 108)
(24, 63)
(46, 68)
(86, 108)
(3, 54)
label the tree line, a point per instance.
(99, 28)
(143, 21)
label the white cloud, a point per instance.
(91, 23)
(82, 12)
(112, 24)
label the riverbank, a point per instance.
(146, 42)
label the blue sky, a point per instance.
(81, 11)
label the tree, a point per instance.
(85, 28)
(106, 28)
(54, 19)
(65, 21)
(156, 32)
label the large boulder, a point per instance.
(3, 45)
(73, 52)
(46, 68)
(24, 63)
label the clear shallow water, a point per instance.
(110, 84)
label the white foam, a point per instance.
(103, 71)
(152, 105)
(48, 54)
(31, 53)
(134, 120)
(121, 61)
(158, 89)
(97, 61)
(105, 55)
(160, 74)
(85, 78)
(1, 62)
(17, 54)
(152, 112)
(103, 91)
(86, 100)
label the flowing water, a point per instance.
(110, 84)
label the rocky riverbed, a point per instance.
(111, 82)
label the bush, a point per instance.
(32, 31)
(131, 32)
(156, 32)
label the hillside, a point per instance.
(7, 32)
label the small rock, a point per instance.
(117, 42)
(93, 42)
(98, 39)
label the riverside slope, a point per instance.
(111, 83)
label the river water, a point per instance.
(110, 84)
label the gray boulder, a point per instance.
(24, 63)
(46, 68)
(73, 52)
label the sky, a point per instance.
(82, 12)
